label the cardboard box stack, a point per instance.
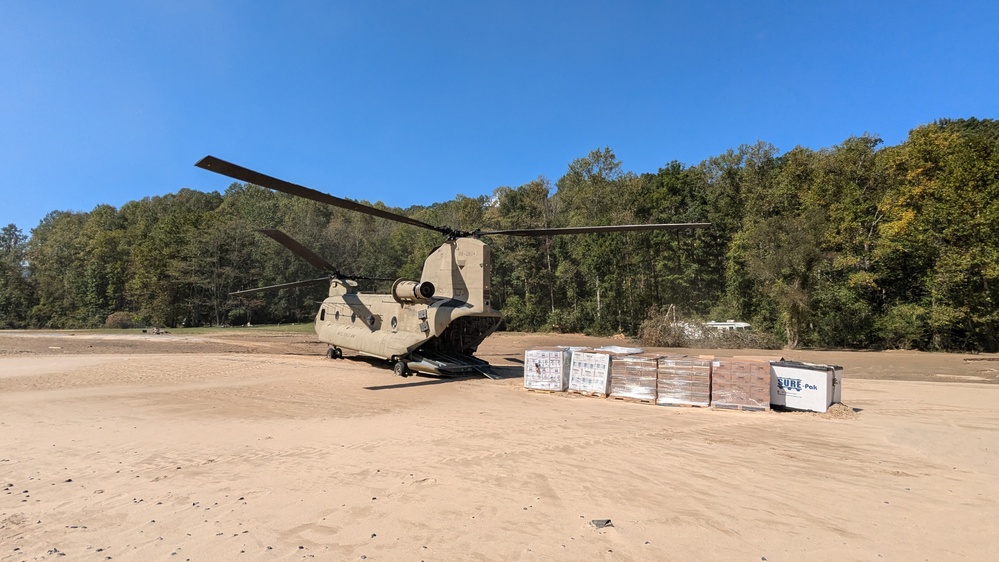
(684, 381)
(634, 376)
(740, 383)
(547, 368)
(589, 372)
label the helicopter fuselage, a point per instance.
(454, 320)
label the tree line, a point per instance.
(859, 245)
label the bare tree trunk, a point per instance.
(598, 297)
(551, 273)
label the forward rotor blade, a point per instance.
(299, 250)
(218, 166)
(594, 229)
(283, 286)
(315, 259)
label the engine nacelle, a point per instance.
(411, 291)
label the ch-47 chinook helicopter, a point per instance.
(431, 326)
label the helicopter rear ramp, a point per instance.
(448, 363)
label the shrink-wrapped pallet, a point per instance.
(740, 384)
(589, 372)
(547, 368)
(684, 381)
(634, 377)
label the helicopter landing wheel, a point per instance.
(334, 353)
(400, 369)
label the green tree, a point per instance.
(57, 271)
(16, 291)
(524, 267)
(939, 246)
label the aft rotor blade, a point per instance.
(299, 250)
(283, 286)
(218, 166)
(594, 229)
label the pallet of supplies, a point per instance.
(804, 386)
(633, 377)
(589, 373)
(740, 384)
(547, 368)
(684, 381)
(618, 350)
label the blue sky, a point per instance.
(415, 102)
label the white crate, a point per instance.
(547, 368)
(590, 372)
(804, 386)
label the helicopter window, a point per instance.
(322, 314)
(336, 315)
(353, 316)
(395, 323)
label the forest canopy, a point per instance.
(859, 245)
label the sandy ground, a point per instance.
(254, 446)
